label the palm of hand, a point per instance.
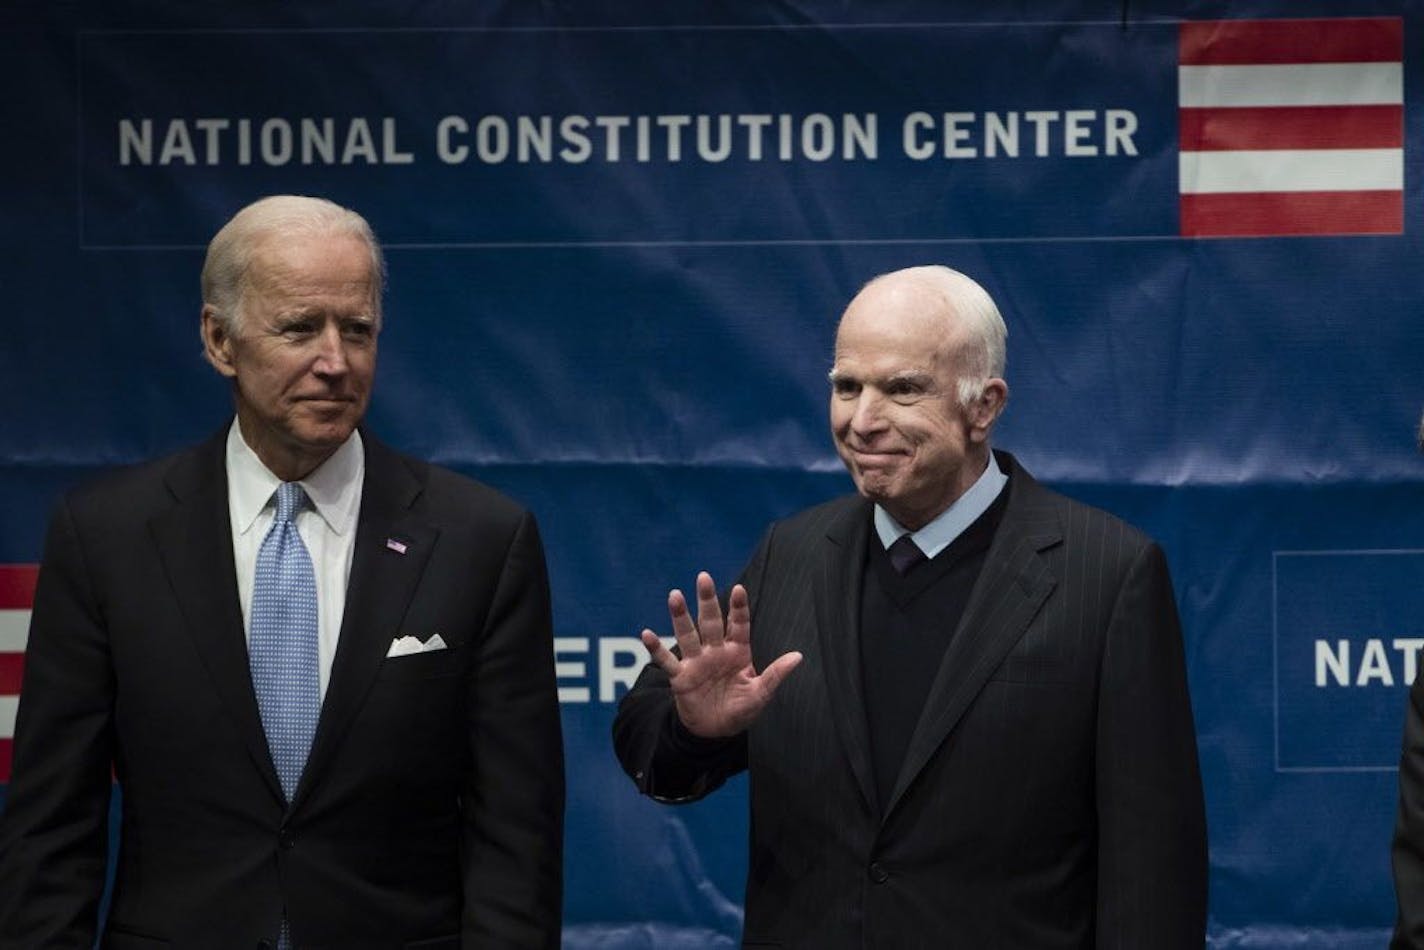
(715, 688)
(717, 691)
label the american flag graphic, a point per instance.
(17, 596)
(1291, 127)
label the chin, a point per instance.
(325, 437)
(875, 491)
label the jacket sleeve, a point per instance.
(664, 760)
(54, 828)
(1152, 864)
(513, 803)
(1407, 851)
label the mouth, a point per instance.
(867, 458)
(327, 400)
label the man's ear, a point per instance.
(984, 411)
(217, 342)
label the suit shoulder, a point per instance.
(817, 516)
(1095, 533)
(1094, 521)
(812, 524)
(134, 489)
(1076, 529)
(460, 497)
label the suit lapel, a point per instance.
(1012, 586)
(382, 581)
(194, 539)
(838, 579)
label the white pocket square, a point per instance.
(407, 645)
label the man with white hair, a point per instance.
(964, 708)
(321, 672)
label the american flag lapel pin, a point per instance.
(396, 545)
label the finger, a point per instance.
(776, 671)
(709, 611)
(739, 616)
(659, 654)
(682, 626)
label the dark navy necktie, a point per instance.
(905, 555)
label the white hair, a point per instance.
(226, 268)
(984, 351)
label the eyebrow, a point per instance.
(919, 377)
(308, 312)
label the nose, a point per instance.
(331, 352)
(867, 417)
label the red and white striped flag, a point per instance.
(17, 596)
(1291, 127)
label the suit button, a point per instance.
(878, 874)
(285, 839)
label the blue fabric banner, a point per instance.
(618, 244)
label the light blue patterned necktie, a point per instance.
(282, 641)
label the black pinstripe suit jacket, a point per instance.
(1050, 795)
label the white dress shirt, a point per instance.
(327, 527)
(950, 523)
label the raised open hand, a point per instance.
(717, 691)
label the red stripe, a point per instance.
(17, 586)
(1275, 42)
(1209, 130)
(12, 669)
(1258, 214)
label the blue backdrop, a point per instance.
(619, 240)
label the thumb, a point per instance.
(778, 670)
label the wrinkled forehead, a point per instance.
(902, 322)
(295, 260)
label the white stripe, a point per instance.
(8, 706)
(1343, 169)
(14, 630)
(1318, 84)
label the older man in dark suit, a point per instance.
(1407, 849)
(987, 740)
(320, 671)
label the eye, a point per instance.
(904, 390)
(845, 388)
(358, 330)
(298, 328)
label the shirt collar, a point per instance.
(334, 486)
(950, 523)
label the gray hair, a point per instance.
(984, 353)
(225, 269)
